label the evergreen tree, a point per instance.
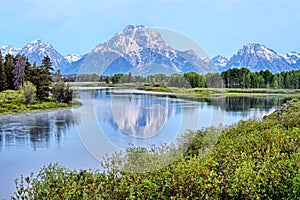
(3, 84)
(268, 77)
(19, 72)
(9, 67)
(57, 77)
(27, 68)
(44, 79)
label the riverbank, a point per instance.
(13, 102)
(215, 92)
(253, 159)
(192, 92)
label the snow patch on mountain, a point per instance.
(220, 62)
(139, 50)
(36, 50)
(293, 57)
(73, 57)
(256, 57)
(8, 49)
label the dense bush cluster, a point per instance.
(249, 160)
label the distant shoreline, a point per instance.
(196, 92)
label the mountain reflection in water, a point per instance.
(138, 116)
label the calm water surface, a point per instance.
(108, 121)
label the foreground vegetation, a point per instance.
(257, 159)
(12, 101)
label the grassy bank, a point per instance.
(250, 160)
(208, 92)
(13, 102)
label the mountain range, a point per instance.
(258, 57)
(140, 50)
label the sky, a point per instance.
(218, 26)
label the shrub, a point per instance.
(29, 91)
(62, 93)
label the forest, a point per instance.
(231, 78)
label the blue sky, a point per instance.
(219, 26)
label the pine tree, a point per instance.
(27, 68)
(19, 72)
(8, 68)
(3, 84)
(44, 79)
(57, 77)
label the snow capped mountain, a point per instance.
(292, 58)
(73, 57)
(220, 61)
(257, 57)
(8, 49)
(36, 50)
(139, 50)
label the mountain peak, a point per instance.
(141, 50)
(253, 45)
(254, 48)
(257, 57)
(132, 41)
(8, 49)
(220, 62)
(36, 41)
(130, 28)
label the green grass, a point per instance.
(155, 89)
(253, 159)
(262, 90)
(12, 102)
(89, 84)
(210, 92)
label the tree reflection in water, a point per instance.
(235, 104)
(36, 130)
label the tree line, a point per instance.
(243, 78)
(231, 78)
(16, 72)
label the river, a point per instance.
(110, 120)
